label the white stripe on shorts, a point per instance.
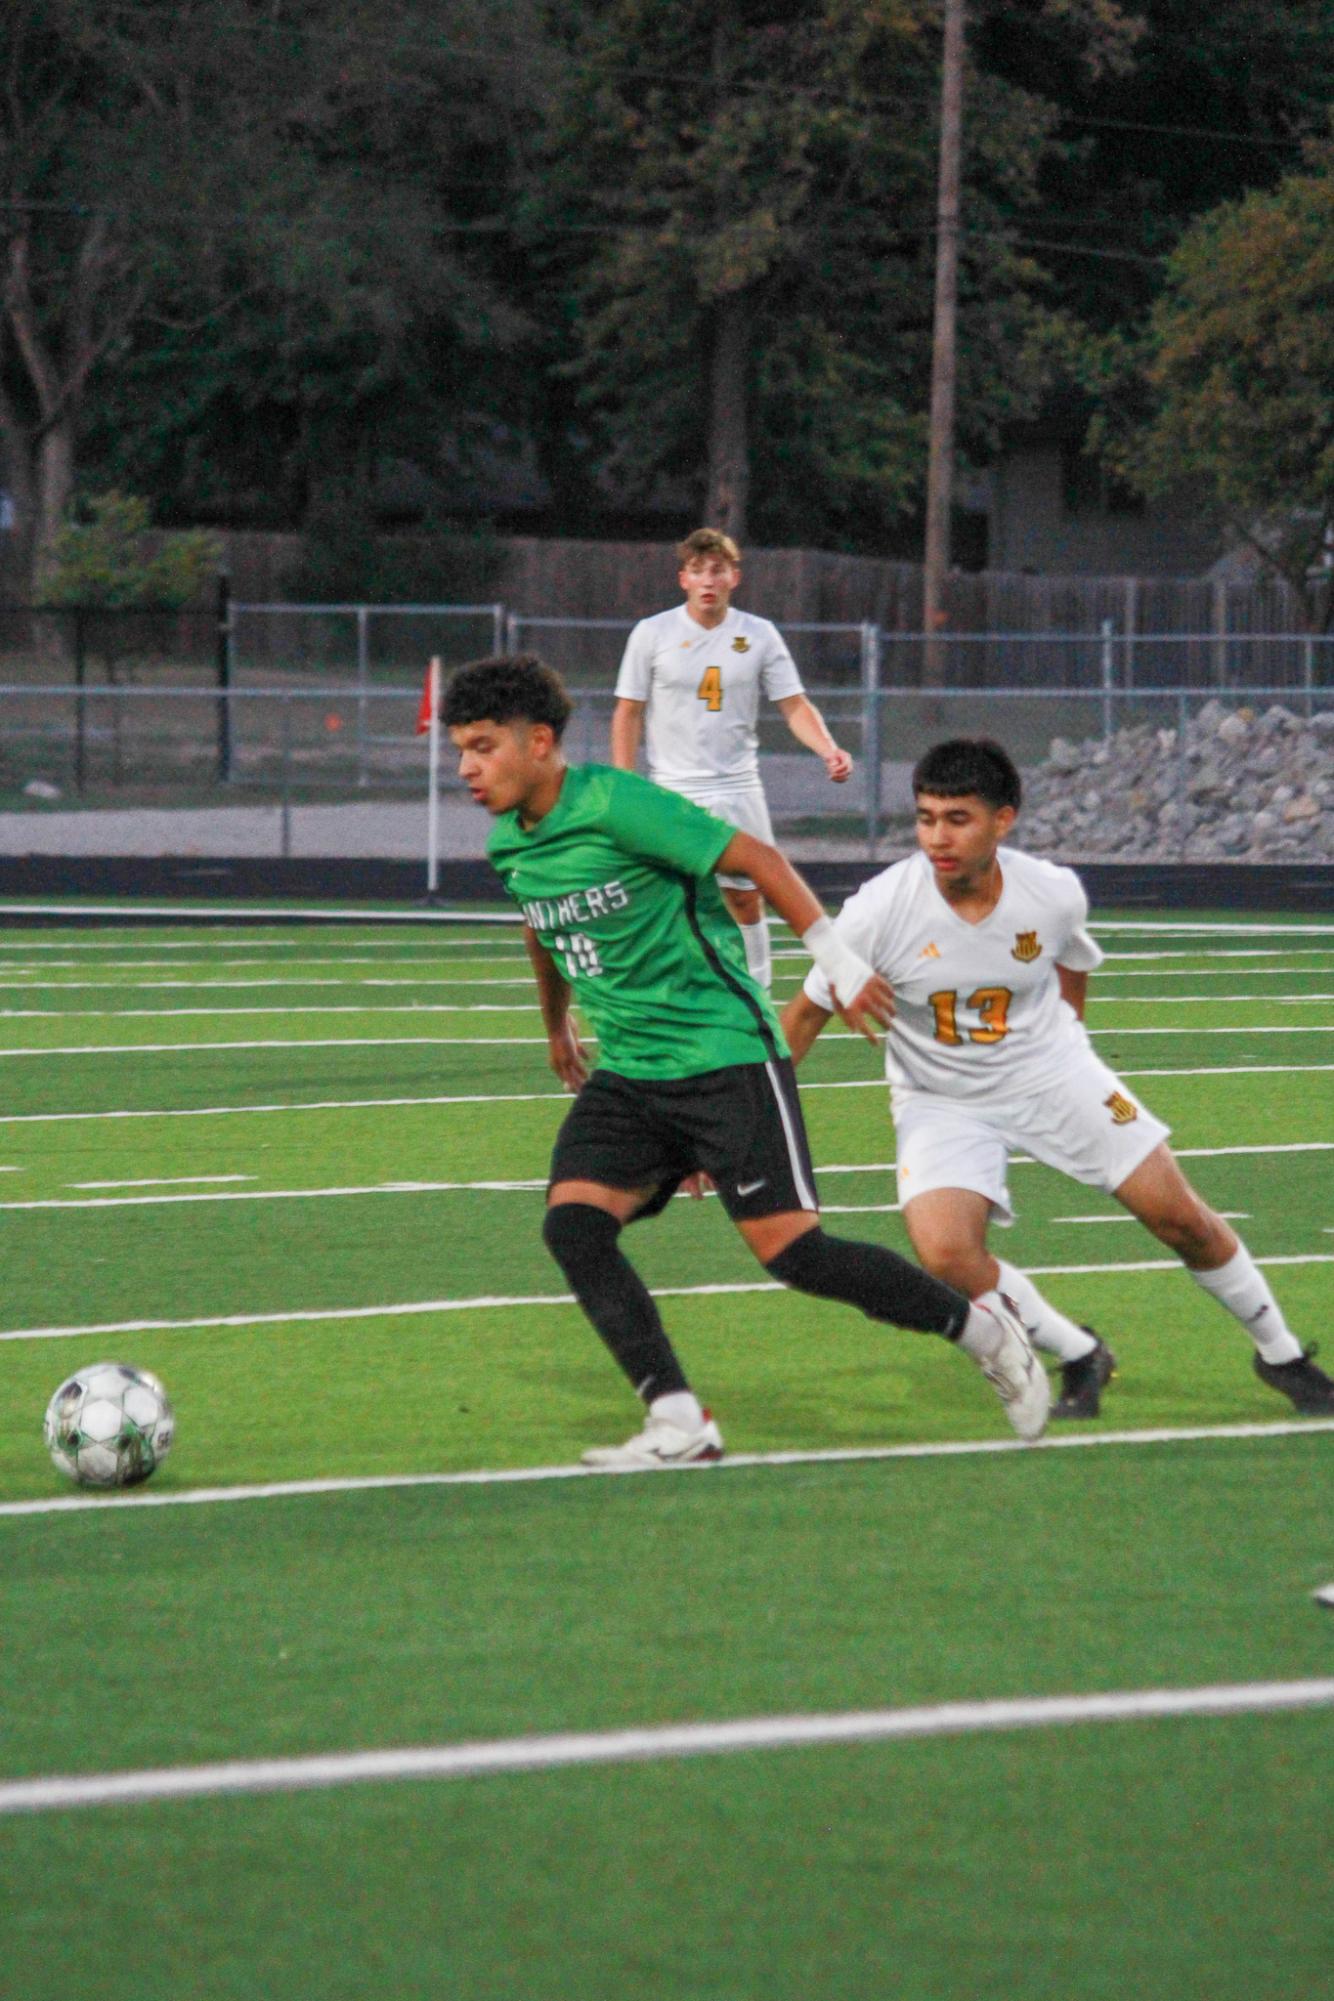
(809, 1199)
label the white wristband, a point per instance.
(846, 971)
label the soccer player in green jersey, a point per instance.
(615, 879)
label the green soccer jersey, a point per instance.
(617, 882)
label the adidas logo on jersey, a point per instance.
(929, 952)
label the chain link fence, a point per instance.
(293, 708)
(338, 768)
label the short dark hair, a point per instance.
(512, 687)
(967, 764)
(706, 542)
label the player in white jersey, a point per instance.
(693, 677)
(988, 955)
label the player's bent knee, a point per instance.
(805, 1263)
(1189, 1229)
(579, 1237)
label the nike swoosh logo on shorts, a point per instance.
(749, 1187)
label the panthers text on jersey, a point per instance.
(978, 1009)
(702, 689)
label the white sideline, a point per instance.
(849, 1455)
(486, 1756)
(485, 1302)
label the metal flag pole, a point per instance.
(433, 780)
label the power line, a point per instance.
(503, 225)
(508, 63)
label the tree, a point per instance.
(1198, 106)
(108, 562)
(1236, 369)
(237, 224)
(739, 212)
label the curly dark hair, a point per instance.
(515, 687)
(969, 764)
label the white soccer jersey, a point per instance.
(978, 1011)
(702, 690)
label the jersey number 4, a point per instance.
(710, 689)
(991, 1004)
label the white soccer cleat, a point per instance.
(1016, 1374)
(660, 1443)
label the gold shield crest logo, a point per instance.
(1026, 946)
(1122, 1109)
(740, 645)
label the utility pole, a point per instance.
(940, 458)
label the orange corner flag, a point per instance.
(429, 697)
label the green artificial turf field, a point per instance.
(298, 1172)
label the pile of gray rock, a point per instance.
(1237, 784)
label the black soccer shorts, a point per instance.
(741, 1126)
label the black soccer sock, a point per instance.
(884, 1285)
(582, 1240)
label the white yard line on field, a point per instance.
(291, 974)
(1110, 971)
(544, 1097)
(265, 1194)
(528, 1041)
(524, 1006)
(528, 1005)
(407, 1187)
(1122, 1216)
(1204, 927)
(1103, 999)
(489, 1302)
(845, 1455)
(284, 1042)
(216, 949)
(481, 1758)
(159, 1181)
(284, 985)
(141, 915)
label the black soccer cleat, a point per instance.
(1308, 1389)
(1083, 1381)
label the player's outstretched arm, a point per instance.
(861, 996)
(627, 726)
(564, 1049)
(802, 1020)
(808, 726)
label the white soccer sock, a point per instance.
(679, 1407)
(1047, 1329)
(982, 1331)
(1244, 1291)
(759, 957)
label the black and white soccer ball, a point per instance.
(109, 1425)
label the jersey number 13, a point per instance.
(990, 1004)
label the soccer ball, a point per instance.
(109, 1426)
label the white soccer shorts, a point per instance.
(746, 810)
(1085, 1124)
